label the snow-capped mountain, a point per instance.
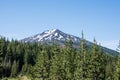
(55, 35)
(50, 36)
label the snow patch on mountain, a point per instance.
(56, 34)
(60, 37)
(50, 31)
(51, 35)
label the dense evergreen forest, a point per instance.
(52, 62)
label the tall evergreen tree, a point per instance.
(55, 68)
(81, 61)
(40, 70)
(117, 69)
(1, 56)
(26, 59)
(14, 69)
(69, 59)
(97, 62)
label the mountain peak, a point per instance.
(50, 36)
(59, 37)
(51, 31)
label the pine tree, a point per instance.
(54, 68)
(6, 66)
(40, 70)
(110, 73)
(78, 66)
(97, 62)
(83, 51)
(69, 59)
(1, 57)
(81, 61)
(14, 69)
(25, 59)
(117, 69)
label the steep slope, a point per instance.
(55, 35)
(51, 35)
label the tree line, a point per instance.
(52, 62)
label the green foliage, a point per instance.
(53, 62)
(14, 69)
(97, 63)
(40, 70)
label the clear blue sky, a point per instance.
(97, 18)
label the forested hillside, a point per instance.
(52, 62)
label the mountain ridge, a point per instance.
(55, 35)
(49, 35)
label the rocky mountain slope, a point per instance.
(55, 35)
